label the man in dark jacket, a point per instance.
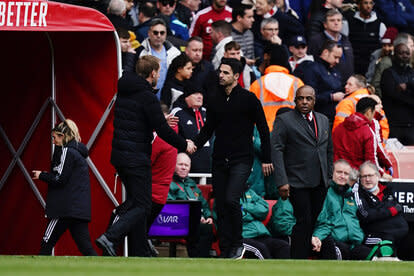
(137, 113)
(324, 78)
(397, 86)
(232, 115)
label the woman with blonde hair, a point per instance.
(68, 202)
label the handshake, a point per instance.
(191, 148)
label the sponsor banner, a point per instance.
(173, 221)
(404, 193)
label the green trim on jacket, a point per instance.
(338, 218)
(186, 189)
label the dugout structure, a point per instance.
(58, 61)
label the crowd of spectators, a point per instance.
(352, 61)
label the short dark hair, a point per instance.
(177, 63)
(235, 65)
(365, 104)
(195, 38)
(278, 55)
(329, 45)
(157, 21)
(222, 27)
(240, 11)
(147, 10)
(232, 45)
(123, 33)
(146, 64)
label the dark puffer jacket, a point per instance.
(137, 114)
(69, 192)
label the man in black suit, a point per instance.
(302, 155)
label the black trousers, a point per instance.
(136, 209)
(229, 184)
(199, 244)
(404, 134)
(307, 204)
(267, 247)
(78, 229)
(337, 250)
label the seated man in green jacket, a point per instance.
(256, 238)
(184, 188)
(337, 233)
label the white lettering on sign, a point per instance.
(408, 210)
(167, 219)
(404, 197)
(34, 14)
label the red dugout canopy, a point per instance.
(58, 61)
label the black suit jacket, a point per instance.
(300, 159)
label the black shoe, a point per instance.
(107, 246)
(237, 253)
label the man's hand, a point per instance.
(276, 40)
(171, 120)
(267, 169)
(387, 177)
(402, 86)
(191, 148)
(316, 244)
(284, 191)
(338, 96)
(36, 174)
(206, 221)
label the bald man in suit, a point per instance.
(302, 155)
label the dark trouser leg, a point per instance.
(279, 249)
(328, 251)
(80, 234)
(199, 244)
(155, 211)
(360, 252)
(256, 247)
(229, 182)
(54, 230)
(137, 181)
(307, 204)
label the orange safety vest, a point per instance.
(276, 89)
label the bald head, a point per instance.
(305, 99)
(183, 165)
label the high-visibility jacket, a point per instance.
(276, 89)
(347, 106)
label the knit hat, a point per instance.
(389, 35)
(192, 87)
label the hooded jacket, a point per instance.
(137, 114)
(69, 193)
(354, 141)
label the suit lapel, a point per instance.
(305, 125)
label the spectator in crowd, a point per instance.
(323, 76)
(203, 71)
(184, 188)
(233, 50)
(379, 213)
(201, 25)
(386, 62)
(354, 140)
(332, 30)
(288, 25)
(396, 13)
(387, 49)
(316, 22)
(232, 116)
(298, 47)
(116, 14)
(256, 238)
(365, 32)
(397, 85)
(220, 35)
(68, 202)
(302, 156)
(178, 74)
(284, 6)
(157, 45)
(355, 89)
(146, 13)
(192, 116)
(243, 18)
(178, 28)
(186, 9)
(277, 88)
(302, 8)
(128, 53)
(337, 233)
(131, 148)
(131, 14)
(269, 30)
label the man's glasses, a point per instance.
(168, 2)
(366, 176)
(158, 32)
(271, 29)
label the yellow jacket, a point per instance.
(276, 89)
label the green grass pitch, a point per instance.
(101, 266)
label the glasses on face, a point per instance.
(366, 176)
(168, 2)
(271, 29)
(158, 33)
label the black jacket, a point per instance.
(172, 89)
(69, 192)
(375, 215)
(205, 75)
(233, 118)
(137, 114)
